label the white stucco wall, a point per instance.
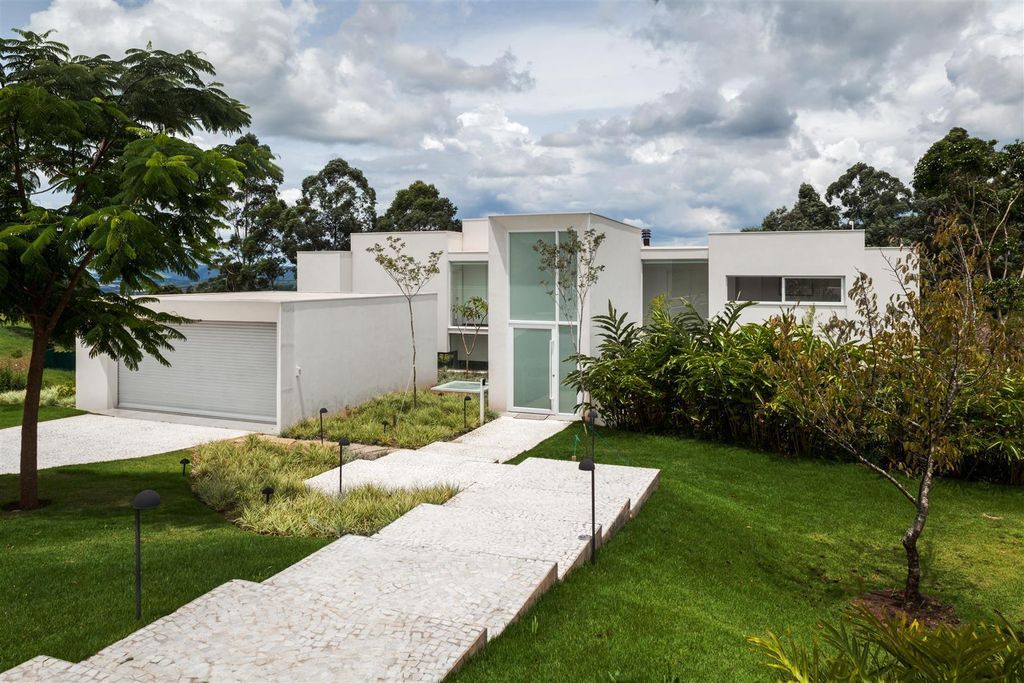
(351, 351)
(818, 253)
(368, 277)
(95, 381)
(323, 271)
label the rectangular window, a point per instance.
(810, 290)
(530, 298)
(468, 280)
(747, 288)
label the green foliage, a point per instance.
(714, 379)
(335, 203)
(873, 201)
(808, 213)
(58, 395)
(864, 647)
(250, 258)
(420, 207)
(11, 379)
(136, 197)
(230, 476)
(391, 420)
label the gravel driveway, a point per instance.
(98, 438)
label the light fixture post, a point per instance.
(146, 500)
(184, 463)
(465, 411)
(341, 461)
(587, 465)
(322, 411)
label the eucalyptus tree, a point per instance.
(420, 207)
(103, 191)
(335, 203)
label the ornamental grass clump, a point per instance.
(230, 478)
(392, 420)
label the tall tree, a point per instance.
(137, 198)
(420, 207)
(250, 257)
(808, 213)
(411, 275)
(968, 179)
(335, 203)
(873, 201)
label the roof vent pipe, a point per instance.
(645, 235)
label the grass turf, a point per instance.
(737, 542)
(66, 578)
(10, 416)
(437, 417)
(15, 349)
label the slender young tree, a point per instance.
(410, 275)
(471, 316)
(105, 143)
(906, 373)
(571, 270)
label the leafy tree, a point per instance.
(967, 179)
(471, 316)
(874, 201)
(907, 373)
(250, 258)
(420, 207)
(110, 138)
(335, 203)
(809, 213)
(411, 276)
(571, 270)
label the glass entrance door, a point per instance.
(532, 368)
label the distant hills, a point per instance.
(204, 273)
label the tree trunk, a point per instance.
(29, 476)
(412, 331)
(912, 592)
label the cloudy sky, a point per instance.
(684, 117)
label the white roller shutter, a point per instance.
(221, 369)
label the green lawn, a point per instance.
(66, 572)
(736, 542)
(10, 416)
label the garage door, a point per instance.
(221, 369)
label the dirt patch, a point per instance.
(888, 603)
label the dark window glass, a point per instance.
(747, 288)
(814, 289)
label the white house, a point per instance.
(343, 336)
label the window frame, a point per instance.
(784, 301)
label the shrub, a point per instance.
(12, 379)
(62, 395)
(864, 647)
(681, 374)
(391, 420)
(230, 476)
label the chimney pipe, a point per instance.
(645, 235)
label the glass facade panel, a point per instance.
(747, 288)
(468, 280)
(531, 368)
(566, 347)
(825, 290)
(530, 299)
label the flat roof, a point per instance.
(268, 297)
(781, 232)
(555, 213)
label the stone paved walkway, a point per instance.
(411, 603)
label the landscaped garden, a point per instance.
(58, 395)
(737, 542)
(392, 420)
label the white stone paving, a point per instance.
(410, 603)
(100, 438)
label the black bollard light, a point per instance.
(341, 460)
(592, 413)
(267, 492)
(465, 411)
(146, 500)
(587, 465)
(184, 463)
(322, 412)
